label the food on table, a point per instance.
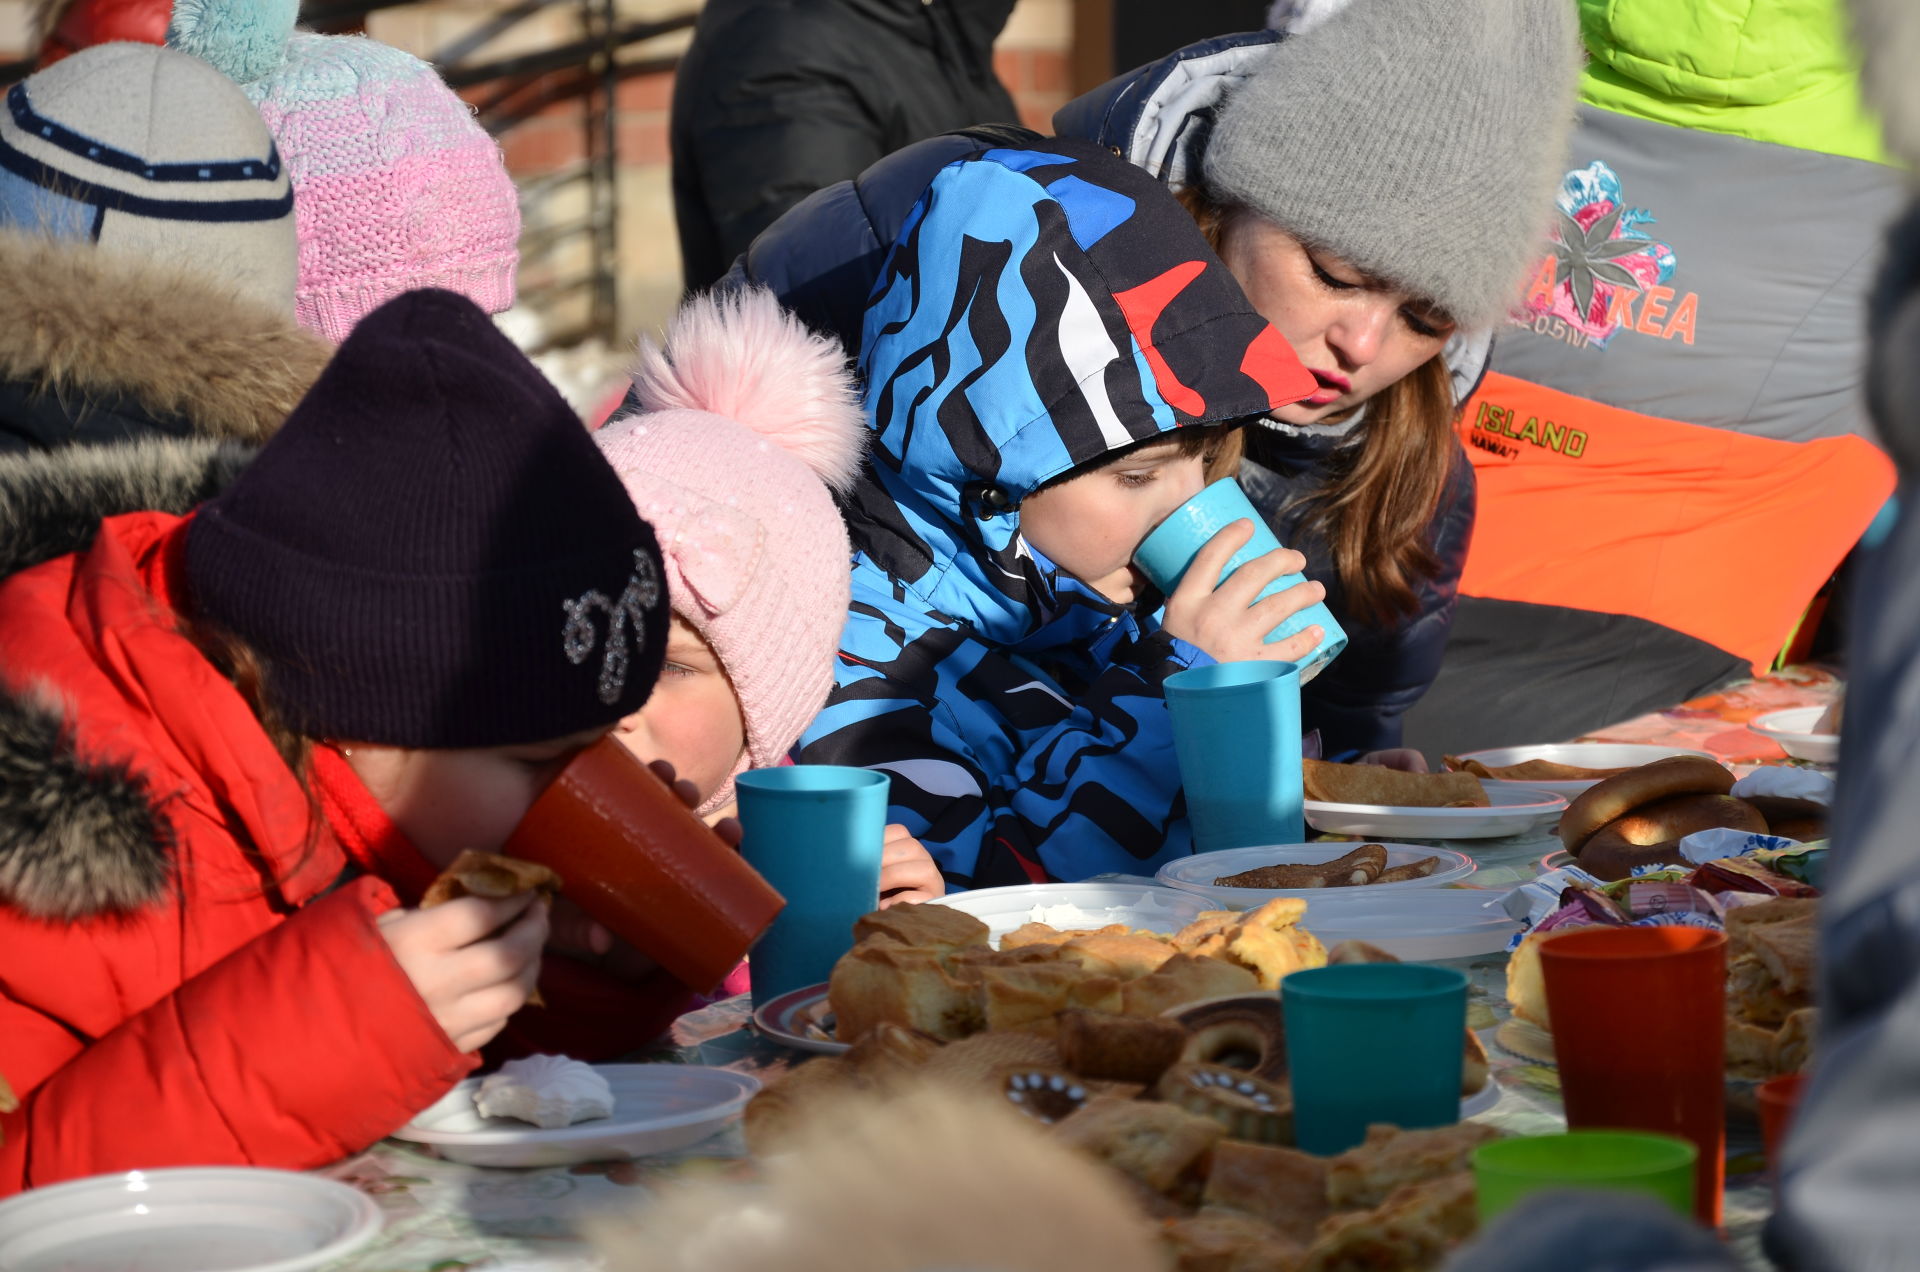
(1161, 1145)
(1790, 818)
(1529, 771)
(1368, 1173)
(1638, 817)
(1248, 1034)
(1282, 1187)
(1224, 1239)
(1118, 1048)
(548, 1091)
(1376, 784)
(494, 877)
(929, 968)
(1047, 1095)
(1365, 864)
(1250, 1109)
(489, 875)
(1771, 968)
(1414, 1227)
(973, 1061)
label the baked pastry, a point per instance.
(880, 981)
(1475, 1069)
(1028, 997)
(1750, 1049)
(929, 926)
(781, 1108)
(1047, 1095)
(1206, 926)
(1529, 770)
(890, 1054)
(1270, 943)
(1250, 1108)
(1282, 1186)
(974, 1061)
(1118, 1048)
(1390, 1157)
(1126, 957)
(1044, 934)
(495, 877)
(1793, 1044)
(1230, 1241)
(1413, 1228)
(1246, 1033)
(1358, 952)
(1158, 1144)
(1743, 919)
(1419, 869)
(1182, 979)
(1755, 996)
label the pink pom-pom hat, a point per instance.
(748, 424)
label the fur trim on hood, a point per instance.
(80, 321)
(80, 837)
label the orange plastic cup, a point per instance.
(1639, 1033)
(640, 863)
(1778, 1098)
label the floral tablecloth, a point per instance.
(444, 1217)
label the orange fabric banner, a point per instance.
(1708, 531)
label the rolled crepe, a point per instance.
(1375, 784)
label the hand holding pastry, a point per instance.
(474, 961)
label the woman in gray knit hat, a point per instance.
(1376, 183)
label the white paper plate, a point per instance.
(800, 1019)
(1793, 731)
(656, 1109)
(1081, 906)
(1419, 926)
(197, 1219)
(1514, 810)
(1196, 874)
(1598, 755)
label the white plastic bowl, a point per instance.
(1792, 730)
(1197, 874)
(1080, 906)
(1426, 924)
(1597, 755)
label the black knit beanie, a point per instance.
(431, 552)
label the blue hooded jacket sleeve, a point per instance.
(1043, 308)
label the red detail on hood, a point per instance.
(1143, 306)
(1272, 364)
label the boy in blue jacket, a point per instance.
(1050, 356)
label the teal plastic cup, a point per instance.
(1236, 731)
(1372, 1042)
(1165, 555)
(1509, 1170)
(815, 832)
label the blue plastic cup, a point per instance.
(815, 831)
(1372, 1042)
(1165, 555)
(1236, 731)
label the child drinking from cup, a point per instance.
(240, 743)
(1049, 356)
(748, 426)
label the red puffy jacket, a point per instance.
(181, 982)
(81, 24)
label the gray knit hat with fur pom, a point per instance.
(1419, 140)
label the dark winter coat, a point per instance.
(823, 257)
(1045, 307)
(777, 98)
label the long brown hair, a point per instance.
(1379, 496)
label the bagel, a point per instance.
(1801, 819)
(1624, 792)
(1678, 816)
(1610, 858)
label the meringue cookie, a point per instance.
(548, 1091)
(1786, 782)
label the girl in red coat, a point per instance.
(235, 746)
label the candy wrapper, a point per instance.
(1737, 861)
(1570, 898)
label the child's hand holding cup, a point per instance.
(1247, 599)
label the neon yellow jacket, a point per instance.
(1781, 71)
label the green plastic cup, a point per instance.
(1372, 1042)
(1661, 1166)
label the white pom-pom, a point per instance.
(742, 356)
